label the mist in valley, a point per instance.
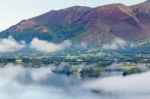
(18, 82)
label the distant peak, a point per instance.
(77, 8)
(114, 5)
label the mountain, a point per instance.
(84, 24)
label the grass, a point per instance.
(125, 67)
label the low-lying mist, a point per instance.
(115, 44)
(49, 47)
(119, 87)
(119, 43)
(11, 45)
(18, 82)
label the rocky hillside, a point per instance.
(95, 25)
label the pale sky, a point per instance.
(13, 11)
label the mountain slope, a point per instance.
(84, 24)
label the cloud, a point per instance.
(17, 82)
(119, 87)
(39, 74)
(18, 71)
(49, 47)
(9, 45)
(116, 43)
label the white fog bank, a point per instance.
(115, 44)
(10, 44)
(17, 82)
(119, 87)
(49, 47)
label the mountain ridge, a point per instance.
(85, 24)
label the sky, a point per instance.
(13, 11)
